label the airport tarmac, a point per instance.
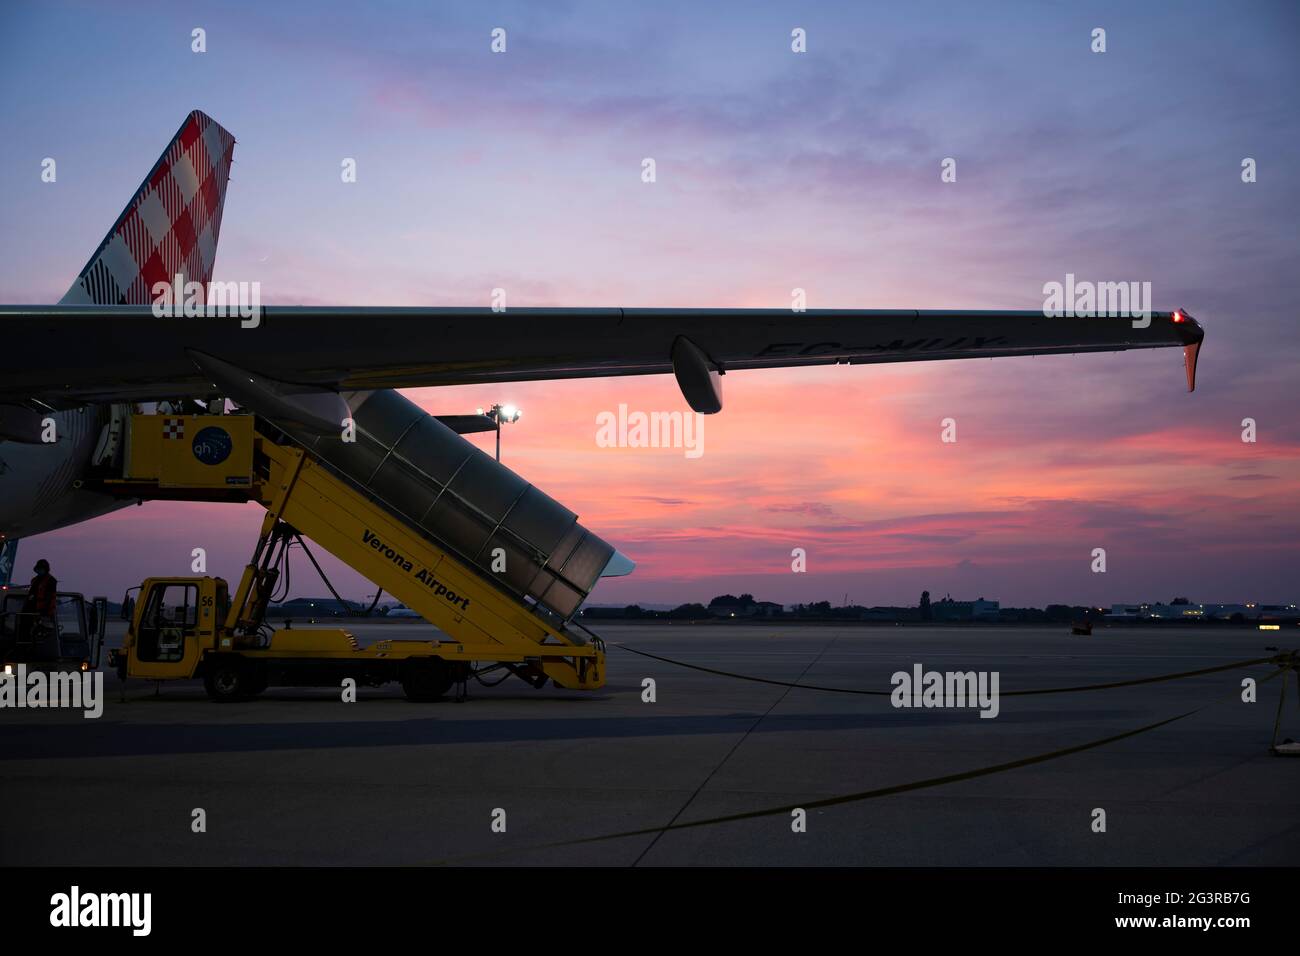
(298, 777)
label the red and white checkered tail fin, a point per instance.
(169, 227)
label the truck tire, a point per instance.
(226, 679)
(424, 681)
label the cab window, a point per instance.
(168, 622)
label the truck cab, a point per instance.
(175, 623)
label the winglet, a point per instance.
(1190, 351)
(1192, 336)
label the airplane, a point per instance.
(85, 363)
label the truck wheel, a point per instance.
(226, 680)
(426, 680)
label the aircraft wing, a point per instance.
(69, 354)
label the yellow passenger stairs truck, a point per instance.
(455, 569)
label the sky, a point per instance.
(775, 170)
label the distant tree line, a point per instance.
(728, 606)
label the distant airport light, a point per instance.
(502, 413)
(1270, 627)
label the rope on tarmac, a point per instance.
(872, 794)
(1275, 659)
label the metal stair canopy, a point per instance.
(465, 501)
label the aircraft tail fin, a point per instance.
(169, 227)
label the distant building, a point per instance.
(1252, 612)
(1180, 609)
(749, 608)
(1125, 612)
(977, 610)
